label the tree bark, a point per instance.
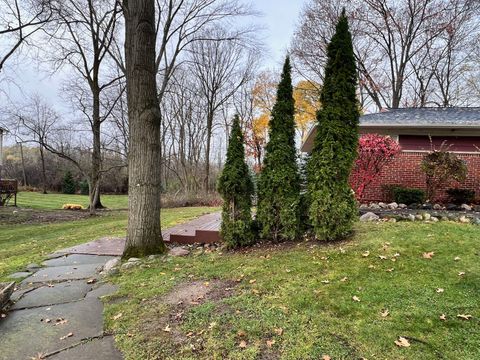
(44, 171)
(144, 235)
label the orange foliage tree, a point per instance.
(306, 95)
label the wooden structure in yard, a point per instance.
(203, 230)
(8, 191)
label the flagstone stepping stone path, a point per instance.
(57, 311)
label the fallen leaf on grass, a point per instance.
(390, 270)
(461, 273)
(91, 281)
(253, 281)
(366, 253)
(440, 290)
(396, 255)
(270, 343)
(66, 336)
(344, 279)
(384, 313)
(278, 331)
(39, 356)
(443, 317)
(326, 357)
(241, 333)
(381, 257)
(356, 298)
(167, 328)
(457, 258)
(464, 316)
(242, 344)
(212, 325)
(325, 281)
(402, 342)
(118, 316)
(428, 255)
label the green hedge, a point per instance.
(408, 196)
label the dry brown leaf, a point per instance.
(464, 316)
(91, 281)
(402, 342)
(366, 253)
(461, 273)
(344, 279)
(241, 333)
(390, 270)
(66, 336)
(381, 257)
(428, 255)
(270, 343)
(440, 290)
(326, 357)
(167, 328)
(456, 258)
(242, 344)
(118, 316)
(384, 313)
(278, 331)
(212, 325)
(253, 281)
(443, 317)
(356, 298)
(325, 281)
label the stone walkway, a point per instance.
(58, 314)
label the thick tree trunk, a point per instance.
(144, 236)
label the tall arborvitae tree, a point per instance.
(236, 187)
(279, 182)
(332, 205)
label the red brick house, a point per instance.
(459, 128)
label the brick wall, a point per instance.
(405, 170)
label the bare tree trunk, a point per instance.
(144, 235)
(44, 172)
(207, 150)
(24, 174)
(94, 190)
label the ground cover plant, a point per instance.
(22, 244)
(393, 291)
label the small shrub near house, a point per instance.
(408, 196)
(69, 185)
(236, 187)
(461, 196)
(442, 167)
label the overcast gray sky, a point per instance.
(279, 19)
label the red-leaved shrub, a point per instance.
(374, 152)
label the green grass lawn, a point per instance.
(35, 200)
(21, 244)
(297, 301)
